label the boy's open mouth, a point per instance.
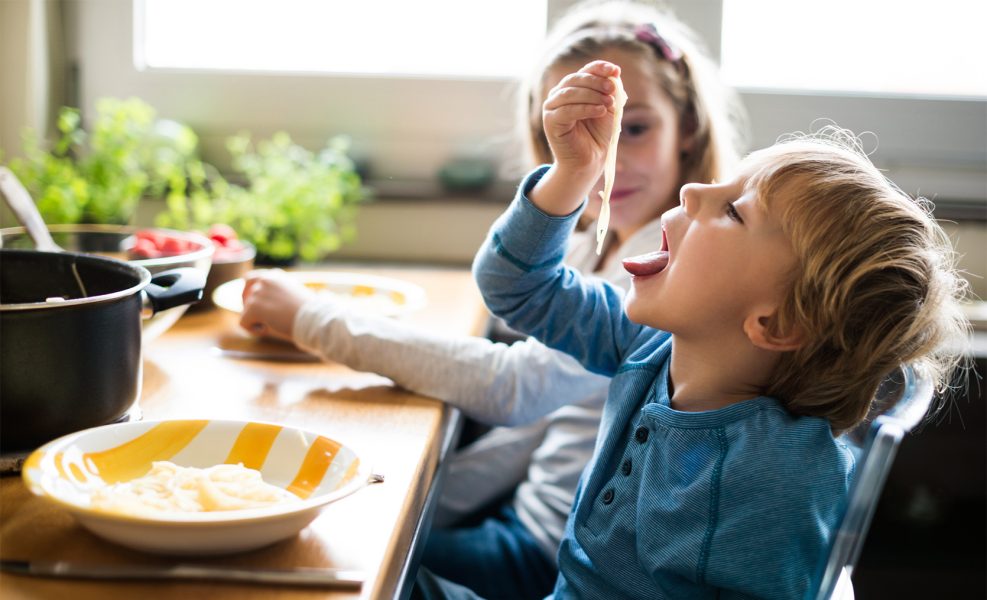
(650, 263)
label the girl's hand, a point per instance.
(271, 299)
(578, 117)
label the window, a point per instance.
(871, 46)
(379, 37)
(912, 73)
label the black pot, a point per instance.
(70, 339)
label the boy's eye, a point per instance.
(731, 211)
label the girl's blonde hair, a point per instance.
(708, 110)
(874, 286)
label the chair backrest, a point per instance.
(901, 403)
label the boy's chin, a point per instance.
(636, 312)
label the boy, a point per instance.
(758, 330)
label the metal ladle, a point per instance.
(20, 202)
(24, 208)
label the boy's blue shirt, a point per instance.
(733, 503)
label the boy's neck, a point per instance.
(713, 375)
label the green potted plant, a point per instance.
(295, 204)
(100, 175)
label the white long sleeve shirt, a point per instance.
(547, 404)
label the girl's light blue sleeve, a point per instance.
(522, 279)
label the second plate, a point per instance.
(384, 296)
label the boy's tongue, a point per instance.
(646, 264)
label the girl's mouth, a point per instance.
(620, 194)
(650, 263)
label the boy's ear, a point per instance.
(760, 330)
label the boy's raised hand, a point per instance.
(578, 118)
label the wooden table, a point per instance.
(401, 434)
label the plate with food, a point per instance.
(195, 487)
(374, 294)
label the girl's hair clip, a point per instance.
(648, 34)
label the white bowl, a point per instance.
(318, 469)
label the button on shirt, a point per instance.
(641, 435)
(737, 502)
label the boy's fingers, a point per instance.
(570, 113)
(602, 68)
(586, 80)
(564, 96)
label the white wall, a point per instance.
(14, 113)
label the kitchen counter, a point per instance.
(402, 435)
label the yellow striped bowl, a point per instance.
(316, 468)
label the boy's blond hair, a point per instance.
(707, 109)
(875, 284)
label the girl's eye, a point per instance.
(731, 211)
(636, 129)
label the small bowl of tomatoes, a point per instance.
(153, 248)
(232, 258)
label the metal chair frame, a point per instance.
(910, 396)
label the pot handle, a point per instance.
(172, 288)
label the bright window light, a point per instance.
(489, 38)
(868, 46)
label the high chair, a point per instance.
(900, 404)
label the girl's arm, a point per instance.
(493, 383)
(487, 469)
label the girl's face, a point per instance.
(648, 155)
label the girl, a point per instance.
(757, 328)
(678, 127)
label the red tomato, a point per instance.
(229, 251)
(173, 245)
(155, 237)
(221, 233)
(145, 248)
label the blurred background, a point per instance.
(423, 94)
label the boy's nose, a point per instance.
(689, 198)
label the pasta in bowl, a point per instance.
(194, 487)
